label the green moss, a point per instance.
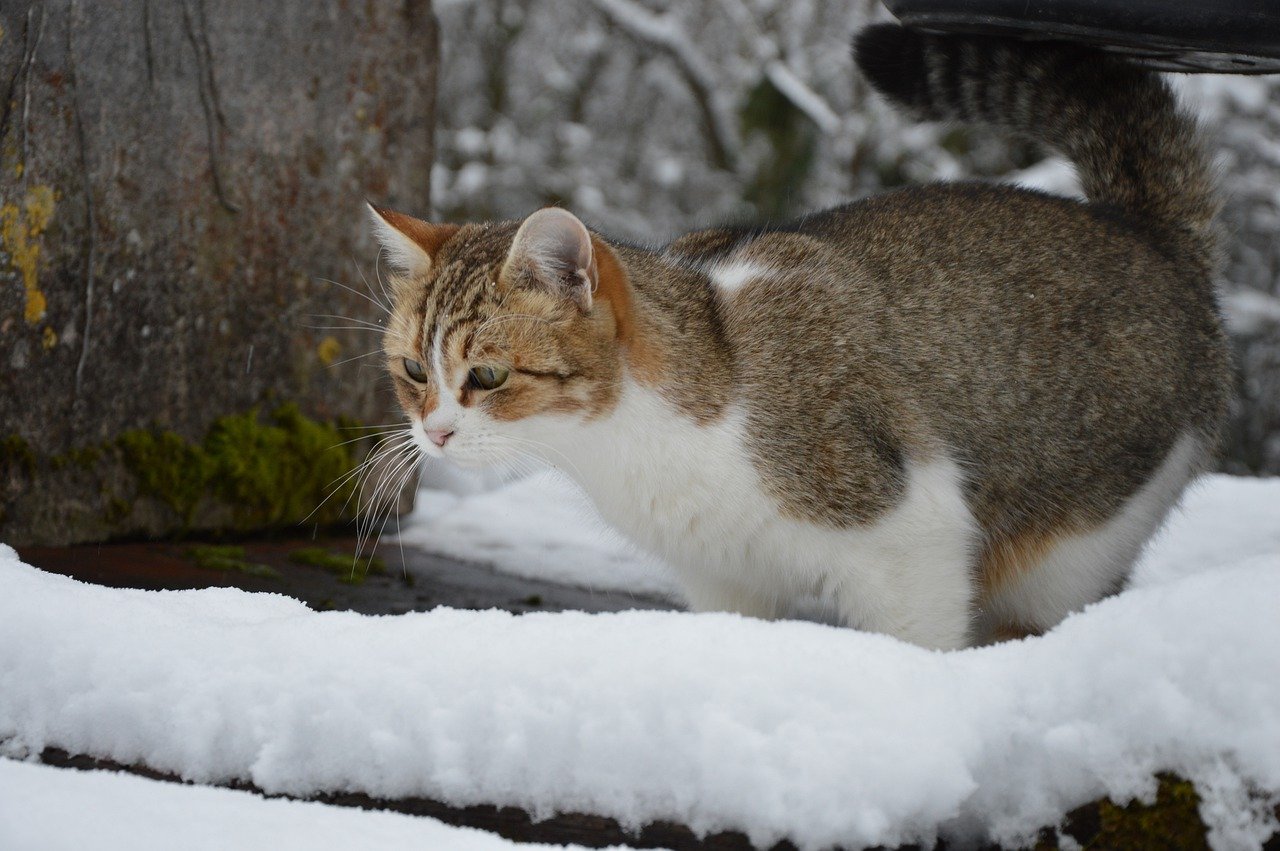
(15, 452)
(278, 471)
(227, 559)
(168, 468)
(1173, 821)
(84, 458)
(250, 471)
(343, 565)
(271, 470)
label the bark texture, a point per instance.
(177, 181)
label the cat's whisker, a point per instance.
(337, 485)
(402, 424)
(367, 436)
(537, 444)
(373, 328)
(388, 305)
(354, 291)
(382, 458)
(377, 276)
(385, 445)
(356, 357)
(384, 493)
(392, 452)
(358, 321)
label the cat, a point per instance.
(954, 412)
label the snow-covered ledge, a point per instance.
(786, 729)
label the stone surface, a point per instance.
(176, 182)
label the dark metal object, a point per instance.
(1191, 36)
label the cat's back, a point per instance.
(1048, 345)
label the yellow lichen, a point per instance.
(39, 204)
(20, 229)
(49, 339)
(328, 350)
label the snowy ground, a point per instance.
(792, 729)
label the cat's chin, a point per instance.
(467, 460)
(468, 463)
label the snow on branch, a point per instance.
(664, 33)
(802, 96)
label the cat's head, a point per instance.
(500, 329)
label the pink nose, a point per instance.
(439, 436)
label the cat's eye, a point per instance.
(415, 370)
(487, 377)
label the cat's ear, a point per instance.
(411, 244)
(553, 249)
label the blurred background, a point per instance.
(185, 273)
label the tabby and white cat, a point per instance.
(953, 411)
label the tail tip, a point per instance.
(891, 58)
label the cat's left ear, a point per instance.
(411, 244)
(553, 249)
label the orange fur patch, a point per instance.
(613, 288)
(1004, 559)
(1010, 632)
(429, 237)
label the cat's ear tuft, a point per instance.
(554, 249)
(411, 244)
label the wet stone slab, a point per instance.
(324, 575)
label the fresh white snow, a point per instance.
(50, 809)
(540, 527)
(794, 729)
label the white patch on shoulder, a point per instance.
(732, 275)
(692, 495)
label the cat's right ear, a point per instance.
(411, 244)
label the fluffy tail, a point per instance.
(1118, 123)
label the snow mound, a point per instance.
(54, 809)
(784, 729)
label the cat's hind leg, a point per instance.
(1065, 573)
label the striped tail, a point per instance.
(1118, 123)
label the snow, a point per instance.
(52, 809)
(793, 729)
(541, 527)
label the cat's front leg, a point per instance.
(929, 604)
(910, 572)
(716, 594)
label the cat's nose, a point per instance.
(438, 436)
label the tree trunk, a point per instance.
(177, 182)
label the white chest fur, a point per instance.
(691, 495)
